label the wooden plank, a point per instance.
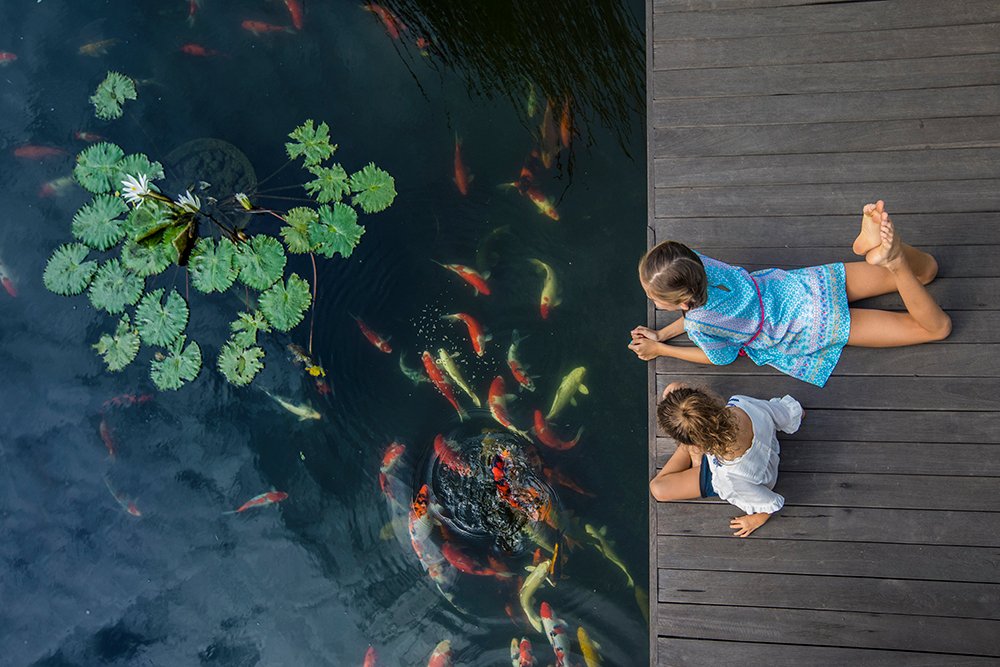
(865, 136)
(851, 594)
(828, 107)
(831, 628)
(838, 524)
(824, 48)
(972, 361)
(816, 234)
(860, 393)
(969, 326)
(901, 458)
(677, 652)
(814, 19)
(664, 6)
(875, 76)
(827, 199)
(883, 166)
(854, 559)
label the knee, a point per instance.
(943, 331)
(657, 490)
(928, 272)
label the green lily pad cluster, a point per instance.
(111, 94)
(130, 231)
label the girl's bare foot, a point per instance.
(869, 238)
(889, 252)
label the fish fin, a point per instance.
(486, 275)
(476, 401)
(572, 401)
(584, 390)
(487, 337)
(472, 177)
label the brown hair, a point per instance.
(674, 273)
(693, 416)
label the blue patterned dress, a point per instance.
(806, 318)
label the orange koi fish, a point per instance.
(381, 343)
(124, 400)
(544, 204)
(462, 178)
(549, 133)
(261, 28)
(7, 58)
(122, 500)
(32, 152)
(548, 438)
(7, 281)
(556, 476)
(476, 334)
(262, 500)
(516, 368)
(390, 460)
(89, 137)
(449, 457)
(95, 49)
(295, 10)
(520, 653)
(441, 657)
(371, 657)
(462, 562)
(107, 438)
(469, 275)
(442, 385)
(393, 26)
(497, 401)
(566, 125)
(198, 50)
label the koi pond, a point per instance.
(313, 333)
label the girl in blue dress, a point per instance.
(796, 321)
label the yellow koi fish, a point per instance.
(568, 388)
(602, 544)
(529, 588)
(303, 412)
(447, 362)
(589, 648)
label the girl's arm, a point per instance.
(647, 350)
(672, 330)
(744, 525)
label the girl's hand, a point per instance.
(645, 332)
(744, 525)
(645, 348)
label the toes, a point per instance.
(880, 206)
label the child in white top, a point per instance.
(726, 450)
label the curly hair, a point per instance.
(673, 273)
(694, 416)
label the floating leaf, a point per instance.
(114, 287)
(311, 143)
(66, 272)
(211, 266)
(97, 223)
(148, 223)
(261, 261)
(246, 326)
(180, 238)
(144, 261)
(375, 189)
(135, 165)
(284, 305)
(329, 185)
(119, 350)
(239, 364)
(337, 230)
(111, 94)
(97, 167)
(160, 323)
(296, 232)
(179, 366)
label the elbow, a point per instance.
(657, 491)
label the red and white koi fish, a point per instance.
(33, 152)
(550, 289)
(393, 26)
(449, 457)
(122, 500)
(89, 137)
(520, 653)
(7, 281)
(268, 498)
(462, 562)
(441, 657)
(295, 11)
(547, 436)
(557, 631)
(544, 204)
(469, 275)
(57, 187)
(381, 343)
(516, 368)
(421, 526)
(261, 28)
(390, 461)
(462, 178)
(476, 334)
(497, 401)
(442, 385)
(371, 657)
(7, 58)
(107, 438)
(198, 50)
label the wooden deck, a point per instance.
(770, 123)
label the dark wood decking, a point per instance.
(770, 123)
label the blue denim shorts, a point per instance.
(705, 481)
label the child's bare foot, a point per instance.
(871, 218)
(889, 252)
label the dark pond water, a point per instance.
(319, 577)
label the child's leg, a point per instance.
(924, 320)
(865, 280)
(677, 480)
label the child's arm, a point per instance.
(744, 525)
(648, 350)
(672, 330)
(757, 500)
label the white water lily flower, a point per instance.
(135, 189)
(189, 202)
(244, 201)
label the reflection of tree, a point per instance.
(590, 53)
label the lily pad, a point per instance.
(119, 350)
(160, 322)
(211, 266)
(97, 223)
(97, 167)
(310, 143)
(330, 184)
(137, 164)
(115, 287)
(337, 230)
(374, 189)
(284, 305)
(239, 364)
(144, 261)
(68, 271)
(296, 232)
(111, 94)
(246, 326)
(179, 366)
(260, 262)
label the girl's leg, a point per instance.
(924, 320)
(865, 280)
(684, 485)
